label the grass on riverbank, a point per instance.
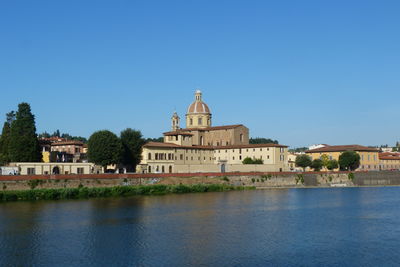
(117, 191)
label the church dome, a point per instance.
(198, 106)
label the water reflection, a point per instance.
(349, 226)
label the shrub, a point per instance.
(84, 192)
(351, 176)
(299, 178)
(249, 160)
(34, 183)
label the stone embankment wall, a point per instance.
(260, 180)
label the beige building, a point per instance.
(40, 168)
(369, 158)
(389, 161)
(201, 147)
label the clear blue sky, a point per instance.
(302, 72)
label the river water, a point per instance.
(280, 227)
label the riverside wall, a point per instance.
(260, 180)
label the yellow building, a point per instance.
(201, 147)
(369, 157)
(389, 161)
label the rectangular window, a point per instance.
(31, 171)
(80, 170)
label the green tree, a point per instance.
(332, 164)
(303, 161)
(259, 140)
(44, 135)
(317, 164)
(325, 160)
(104, 148)
(132, 142)
(24, 144)
(249, 160)
(5, 138)
(349, 160)
(56, 134)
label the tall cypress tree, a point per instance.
(5, 138)
(24, 144)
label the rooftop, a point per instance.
(214, 128)
(64, 143)
(343, 148)
(171, 145)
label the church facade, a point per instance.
(201, 147)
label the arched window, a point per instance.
(241, 137)
(201, 141)
(170, 169)
(149, 169)
(162, 169)
(149, 156)
(191, 121)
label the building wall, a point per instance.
(178, 160)
(25, 168)
(70, 149)
(368, 160)
(173, 157)
(192, 120)
(234, 136)
(389, 164)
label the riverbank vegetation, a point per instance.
(117, 191)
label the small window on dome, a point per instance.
(200, 121)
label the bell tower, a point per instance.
(175, 122)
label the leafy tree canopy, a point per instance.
(303, 161)
(132, 142)
(24, 144)
(104, 148)
(5, 138)
(259, 140)
(67, 136)
(317, 164)
(349, 160)
(332, 164)
(249, 160)
(325, 160)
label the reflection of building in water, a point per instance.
(201, 147)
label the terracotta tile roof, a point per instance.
(198, 107)
(343, 148)
(214, 128)
(249, 146)
(171, 145)
(179, 132)
(64, 143)
(389, 156)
